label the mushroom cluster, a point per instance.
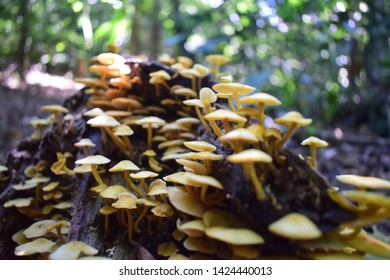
(152, 166)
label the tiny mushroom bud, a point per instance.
(248, 159)
(314, 143)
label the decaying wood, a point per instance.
(291, 186)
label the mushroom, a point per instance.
(186, 92)
(110, 58)
(236, 89)
(217, 61)
(363, 182)
(146, 203)
(125, 131)
(206, 157)
(204, 182)
(200, 244)
(197, 104)
(234, 236)
(188, 203)
(149, 123)
(207, 96)
(56, 110)
(106, 123)
(93, 161)
(261, 100)
(295, 226)
(160, 77)
(153, 163)
(202, 71)
(128, 202)
(40, 245)
(191, 74)
(314, 143)
(126, 166)
(293, 120)
(194, 228)
(106, 211)
(85, 144)
(72, 251)
(142, 175)
(248, 158)
(158, 188)
(239, 137)
(167, 249)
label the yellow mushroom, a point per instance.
(314, 143)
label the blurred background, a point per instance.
(328, 59)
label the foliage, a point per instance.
(308, 53)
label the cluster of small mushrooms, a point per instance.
(146, 198)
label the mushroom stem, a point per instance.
(87, 151)
(61, 239)
(157, 88)
(237, 100)
(150, 134)
(193, 83)
(144, 186)
(58, 120)
(256, 182)
(313, 163)
(260, 114)
(130, 223)
(104, 135)
(215, 127)
(226, 125)
(199, 114)
(96, 175)
(231, 105)
(139, 219)
(286, 136)
(128, 145)
(164, 83)
(126, 174)
(106, 224)
(116, 139)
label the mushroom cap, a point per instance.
(194, 228)
(18, 202)
(147, 202)
(161, 74)
(94, 112)
(185, 61)
(295, 226)
(178, 178)
(207, 95)
(110, 58)
(201, 156)
(125, 103)
(187, 92)
(123, 130)
(113, 191)
(150, 120)
(199, 244)
(94, 159)
(315, 142)
(293, 117)
(173, 126)
(84, 142)
(51, 186)
(187, 121)
(197, 167)
(363, 181)
(167, 249)
(39, 122)
(201, 69)
(89, 82)
(107, 210)
(222, 114)
(237, 88)
(162, 210)
(200, 146)
(125, 201)
(83, 169)
(3, 168)
(260, 97)
(371, 198)
(72, 251)
(235, 236)
(40, 245)
(194, 102)
(158, 187)
(197, 180)
(118, 113)
(143, 175)
(217, 59)
(103, 120)
(149, 153)
(54, 108)
(38, 229)
(273, 132)
(250, 155)
(239, 134)
(188, 203)
(171, 143)
(190, 73)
